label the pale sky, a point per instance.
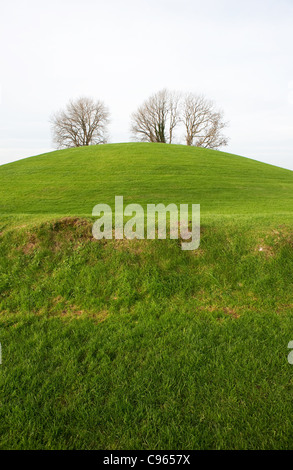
(237, 53)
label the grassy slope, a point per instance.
(136, 344)
(72, 181)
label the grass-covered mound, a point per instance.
(137, 344)
(71, 182)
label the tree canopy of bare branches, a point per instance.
(203, 123)
(83, 122)
(156, 119)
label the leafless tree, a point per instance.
(156, 119)
(203, 123)
(83, 122)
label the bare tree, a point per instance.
(83, 122)
(156, 119)
(203, 123)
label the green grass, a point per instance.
(71, 182)
(137, 344)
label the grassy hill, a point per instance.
(137, 344)
(71, 182)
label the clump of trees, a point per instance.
(156, 120)
(83, 122)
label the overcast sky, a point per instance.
(238, 53)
